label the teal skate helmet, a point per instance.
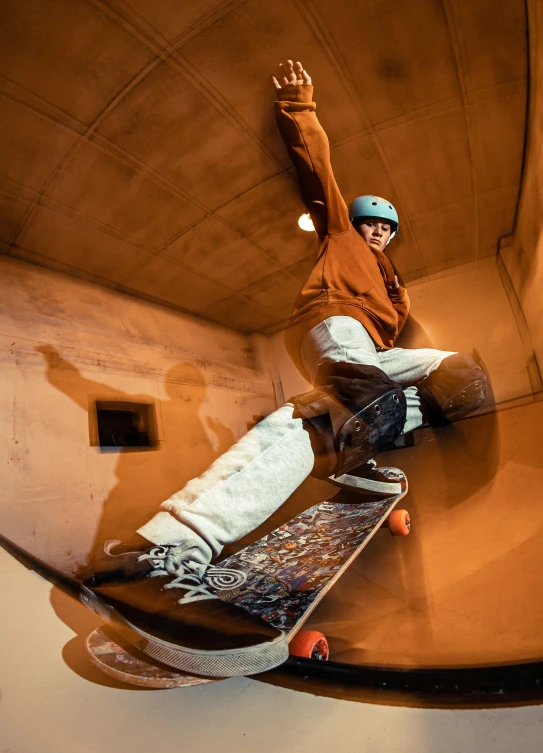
(375, 206)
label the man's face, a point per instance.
(375, 232)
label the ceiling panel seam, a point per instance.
(41, 198)
(140, 265)
(57, 207)
(14, 190)
(66, 159)
(165, 50)
(325, 39)
(50, 112)
(141, 168)
(438, 107)
(171, 56)
(161, 251)
(262, 308)
(266, 277)
(213, 215)
(441, 208)
(53, 205)
(65, 267)
(511, 83)
(453, 24)
(382, 127)
(36, 198)
(42, 107)
(505, 189)
(55, 264)
(408, 117)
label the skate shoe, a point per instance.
(167, 603)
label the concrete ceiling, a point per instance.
(139, 149)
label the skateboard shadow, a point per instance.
(82, 621)
(185, 446)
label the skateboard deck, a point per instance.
(282, 577)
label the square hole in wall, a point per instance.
(124, 426)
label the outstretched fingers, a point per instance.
(302, 74)
(290, 74)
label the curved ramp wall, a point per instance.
(522, 255)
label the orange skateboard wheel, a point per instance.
(310, 644)
(399, 523)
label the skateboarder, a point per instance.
(344, 324)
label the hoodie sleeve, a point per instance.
(401, 303)
(309, 151)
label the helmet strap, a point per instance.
(390, 238)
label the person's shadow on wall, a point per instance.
(144, 479)
(187, 446)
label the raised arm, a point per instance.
(309, 150)
(67, 379)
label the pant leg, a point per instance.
(243, 487)
(338, 339)
(409, 366)
(344, 339)
(239, 491)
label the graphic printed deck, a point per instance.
(284, 575)
(288, 569)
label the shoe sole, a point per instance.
(237, 662)
(371, 486)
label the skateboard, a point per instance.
(282, 577)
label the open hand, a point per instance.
(53, 357)
(290, 74)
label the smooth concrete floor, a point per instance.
(464, 588)
(53, 701)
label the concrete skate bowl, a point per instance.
(463, 595)
(142, 156)
(429, 619)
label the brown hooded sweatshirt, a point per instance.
(349, 277)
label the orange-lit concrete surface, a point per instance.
(66, 343)
(522, 255)
(143, 174)
(139, 148)
(461, 589)
(465, 587)
(54, 701)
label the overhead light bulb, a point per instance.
(305, 222)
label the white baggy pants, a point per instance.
(243, 487)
